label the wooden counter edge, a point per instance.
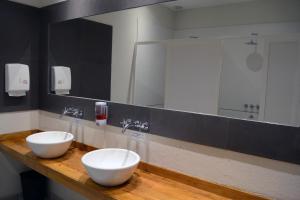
(222, 190)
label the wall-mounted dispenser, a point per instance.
(61, 80)
(101, 113)
(17, 79)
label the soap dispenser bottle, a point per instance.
(101, 113)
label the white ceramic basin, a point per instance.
(50, 144)
(110, 167)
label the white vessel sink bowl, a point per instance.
(110, 167)
(51, 144)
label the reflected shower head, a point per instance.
(254, 60)
(251, 42)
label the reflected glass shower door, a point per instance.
(242, 89)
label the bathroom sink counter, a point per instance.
(149, 182)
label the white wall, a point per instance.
(18, 121)
(9, 169)
(193, 75)
(274, 179)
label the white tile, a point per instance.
(18, 121)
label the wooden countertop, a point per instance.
(149, 182)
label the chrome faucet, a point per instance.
(72, 112)
(77, 113)
(128, 123)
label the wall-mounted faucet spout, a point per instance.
(128, 123)
(72, 112)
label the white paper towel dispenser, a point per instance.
(61, 80)
(17, 79)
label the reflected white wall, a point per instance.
(149, 79)
(283, 83)
(193, 75)
(129, 27)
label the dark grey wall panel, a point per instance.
(267, 140)
(19, 43)
(201, 129)
(256, 138)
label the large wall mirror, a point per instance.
(235, 58)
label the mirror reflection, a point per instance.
(235, 58)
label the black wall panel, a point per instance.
(19, 43)
(86, 48)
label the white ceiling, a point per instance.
(38, 3)
(190, 4)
